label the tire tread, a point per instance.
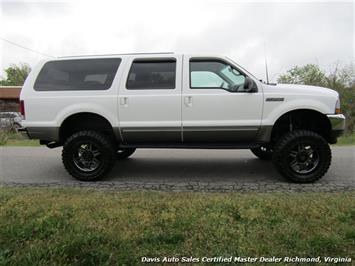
(103, 140)
(282, 167)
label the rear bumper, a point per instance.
(337, 123)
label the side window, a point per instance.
(152, 75)
(78, 74)
(206, 79)
(215, 74)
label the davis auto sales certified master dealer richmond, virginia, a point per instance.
(232, 259)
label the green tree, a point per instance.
(15, 75)
(339, 78)
(309, 75)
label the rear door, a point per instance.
(150, 100)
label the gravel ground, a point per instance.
(173, 170)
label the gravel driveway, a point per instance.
(173, 170)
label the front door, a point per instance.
(216, 107)
(150, 100)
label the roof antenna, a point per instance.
(266, 69)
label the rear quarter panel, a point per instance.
(50, 108)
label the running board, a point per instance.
(194, 146)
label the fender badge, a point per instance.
(275, 99)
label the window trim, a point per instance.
(213, 59)
(81, 59)
(152, 60)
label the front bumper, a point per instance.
(337, 122)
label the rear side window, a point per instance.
(150, 75)
(72, 75)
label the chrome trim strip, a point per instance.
(223, 128)
(193, 128)
(149, 129)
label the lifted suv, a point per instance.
(100, 108)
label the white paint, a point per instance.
(168, 108)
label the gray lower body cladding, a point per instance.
(233, 134)
(43, 133)
(189, 134)
(178, 136)
(220, 134)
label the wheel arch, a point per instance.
(85, 121)
(302, 118)
(273, 113)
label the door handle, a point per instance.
(188, 101)
(124, 101)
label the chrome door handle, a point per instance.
(188, 101)
(124, 101)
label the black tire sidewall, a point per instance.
(101, 142)
(285, 145)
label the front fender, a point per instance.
(272, 111)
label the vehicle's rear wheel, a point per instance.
(88, 155)
(124, 153)
(302, 156)
(263, 152)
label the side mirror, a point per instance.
(250, 85)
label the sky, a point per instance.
(287, 33)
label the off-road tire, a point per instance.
(102, 142)
(284, 146)
(263, 154)
(124, 153)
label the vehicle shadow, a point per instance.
(193, 169)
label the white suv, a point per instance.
(100, 108)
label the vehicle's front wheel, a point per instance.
(123, 153)
(302, 156)
(88, 155)
(263, 152)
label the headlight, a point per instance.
(337, 107)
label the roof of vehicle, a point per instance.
(114, 55)
(158, 54)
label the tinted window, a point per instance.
(83, 74)
(205, 79)
(215, 74)
(148, 75)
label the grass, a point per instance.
(86, 227)
(22, 142)
(348, 139)
(16, 139)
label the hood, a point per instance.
(303, 89)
